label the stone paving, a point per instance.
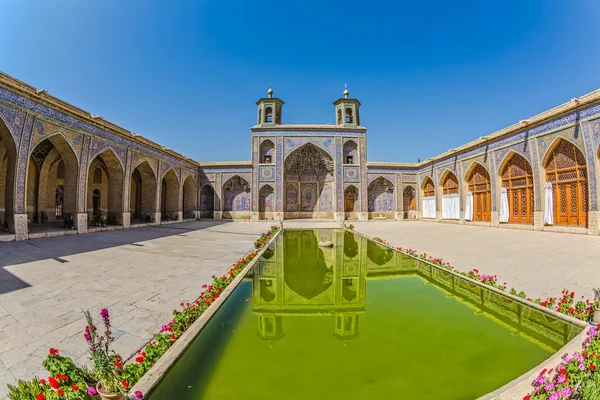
(142, 274)
(539, 263)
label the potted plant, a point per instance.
(107, 366)
(596, 314)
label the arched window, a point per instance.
(98, 175)
(350, 152)
(450, 184)
(60, 170)
(517, 179)
(267, 150)
(349, 117)
(58, 210)
(479, 185)
(268, 115)
(428, 189)
(566, 169)
(96, 202)
(339, 116)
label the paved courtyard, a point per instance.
(142, 274)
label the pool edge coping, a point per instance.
(521, 385)
(150, 380)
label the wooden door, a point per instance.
(349, 203)
(479, 185)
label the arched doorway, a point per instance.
(105, 174)
(380, 197)
(142, 196)
(8, 162)
(409, 196)
(236, 198)
(266, 204)
(190, 198)
(478, 181)
(207, 202)
(169, 203)
(450, 196)
(308, 181)
(52, 183)
(429, 206)
(267, 152)
(517, 180)
(566, 170)
(351, 202)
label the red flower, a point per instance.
(60, 392)
(43, 381)
(54, 383)
(53, 351)
(139, 360)
(124, 383)
(572, 294)
(118, 364)
(40, 396)
(528, 397)
(173, 337)
(592, 367)
(217, 295)
(75, 388)
(143, 354)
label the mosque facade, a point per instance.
(64, 169)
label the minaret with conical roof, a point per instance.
(347, 110)
(269, 110)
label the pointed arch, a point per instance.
(8, 162)
(351, 199)
(308, 144)
(429, 207)
(350, 152)
(104, 150)
(267, 152)
(517, 182)
(110, 185)
(236, 194)
(566, 169)
(142, 194)
(427, 184)
(189, 197)
(449, 183)
(266, 203)
(409, 195)
(169, 202)
(556, 142)
(380, 196)
(207, 201)
(55, 181)
(479, 185)
(450, 195)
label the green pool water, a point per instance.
(359, 321)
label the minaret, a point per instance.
(347, 110)
(269, 110)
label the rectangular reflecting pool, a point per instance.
(359, 321)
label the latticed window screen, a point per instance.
(428, 189)
(567, 170)
(479, 185)
(517, 179)
(450, 184)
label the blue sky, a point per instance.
(430, 75)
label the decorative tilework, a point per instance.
(43, 130)
(127, 182)
(14, 120)
(266, 173)
(316, 132)
(591, 154)
(537, 173)
(139, 158)
(409, 178)
(338, 174)
(326, 198)
(363, 175)
(21, 177)
(83, 169)
(247, 176)
(351, 174)
(594, 130)
(255, 160)
(99, 146)
(279, 175)
(69, 121)
(390, 177)
(293, 143)
(572, 134)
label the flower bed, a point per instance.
(69, 381)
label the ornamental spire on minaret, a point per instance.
(270, 91)
(346, 92)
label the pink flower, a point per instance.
(138, 394)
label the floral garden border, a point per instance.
(552, 383)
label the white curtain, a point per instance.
(450, 206)
(504, 205)
(549, 210)
(429, 207)
(469, 207)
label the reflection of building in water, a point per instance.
(297, 277)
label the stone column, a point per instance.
(18, 224)
(218, 204)
(81, 219)
(126, 215)
(157, 197)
